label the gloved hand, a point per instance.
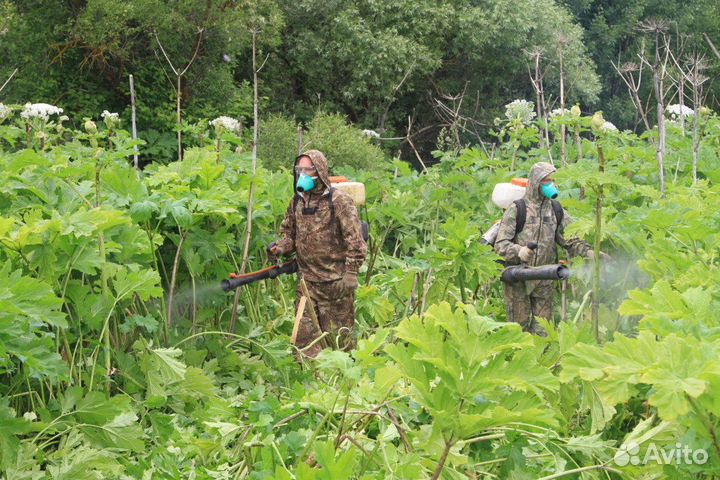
(590, 255)
(273, 251)
(349, 281)
(526, 254)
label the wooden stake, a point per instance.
(298, 317)
(251, 195)
(134, 126)
(299, 140)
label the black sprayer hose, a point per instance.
(519, 273)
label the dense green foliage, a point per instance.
(375, 62)
(102, 377)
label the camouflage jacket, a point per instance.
(327, 244)
(540, 226)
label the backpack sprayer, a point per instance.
(356, 190)
(504, 195)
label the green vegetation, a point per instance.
(377, 63)
(121, 357)
(104, 375)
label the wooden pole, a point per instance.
(299, 140)
(298, 317)
(251, 195)
(134, 125)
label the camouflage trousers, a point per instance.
(523, 308)
(335, 309)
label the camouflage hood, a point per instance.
(320, 163)
(538, 171)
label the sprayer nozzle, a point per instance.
(563, 272)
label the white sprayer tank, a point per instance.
(504, 194)
(356, 190)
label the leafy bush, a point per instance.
(102, 375)
(277, 142)
(342, 144)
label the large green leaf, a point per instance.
(471, 373)
(10, 428)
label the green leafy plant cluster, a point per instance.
(117, 359)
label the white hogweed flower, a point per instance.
(5, 112)
(371, 133)
(39, 110)
(225, 123)
(676, 110)
(520, 110)
(111, 119)
(608, 127)
(109, 116)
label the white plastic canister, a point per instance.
(356, 190)
(504, 194)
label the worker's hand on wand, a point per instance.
(349, 281)
(590, 255)
(526, 254)
(273, 252)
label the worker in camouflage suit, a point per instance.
(322, 227)
(524, 301)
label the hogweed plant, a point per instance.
(518, 127)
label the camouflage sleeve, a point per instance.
(349, 220)
(575, 247)
(504, 245)
(287, 231)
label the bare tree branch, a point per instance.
(162, 49)
(412, 145)
(197, 49)
(8, 80)
(712, 45)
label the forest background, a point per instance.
(403, 67)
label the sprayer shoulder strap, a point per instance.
(522, 214)
(329, 196)
(520, 217)
(559, 212)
